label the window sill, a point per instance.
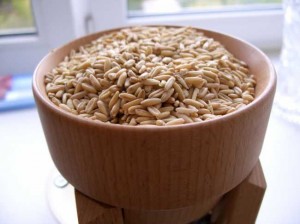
(7, 41)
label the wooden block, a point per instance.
(90, 211)
(241, 205)
(172, 216)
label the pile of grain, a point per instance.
(151, 76)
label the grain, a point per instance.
(81, 106)
(169, 83)
(182, 82)
(78, 95)
(59, 93)
(142, 112)
(127, 96)
(56, 101)
(89, 88)
(151, 102)
(154, 111)
(142, 119)
(193, 103)
(162, 77)
(184, 110)
(132, 103)
(179, 91)
(113, 100)
(175, 121)
(195, 81)
(91, 105)
(101, 117)
(131, 110)
(148, 122)
(151, 82)
(70, 104)
(115, 109)
(160, 123)
(186, 118)
(102, 107)
(55, 88)
(122, 79)
(64, 107)
(95, 82)
(166, 95)
(151, 76)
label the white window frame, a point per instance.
(262, 28)
(55, 24)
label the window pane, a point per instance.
(16, 17)
(155, 7)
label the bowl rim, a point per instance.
(106, 125)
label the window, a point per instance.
(16, 17)
(157, 7)
(30, 29)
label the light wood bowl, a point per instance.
(157, 168)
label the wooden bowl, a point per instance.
(156, 168)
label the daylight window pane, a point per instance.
(162, 7)
(16, 17)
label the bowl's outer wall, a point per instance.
(158, 168)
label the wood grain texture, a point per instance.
(158, 167)
(173, 216)
(241, 205)
(92, 212)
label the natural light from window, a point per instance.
(16, 17)
(165, 7)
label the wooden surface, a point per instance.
(174, 216)
(92, 212)
(158, 167)
(241, 205)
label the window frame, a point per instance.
(55, 25)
